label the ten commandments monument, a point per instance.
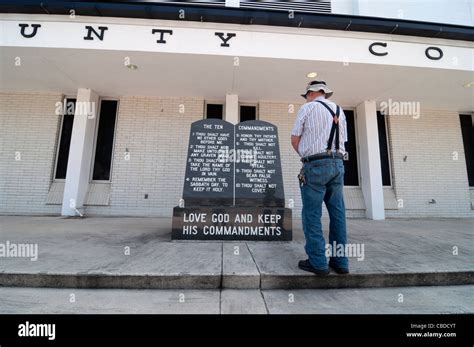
(233, 187)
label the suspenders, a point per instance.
(334, 128)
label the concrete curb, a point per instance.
(227, 281)
(376, 280)
(111, 281)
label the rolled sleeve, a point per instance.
(299, 122)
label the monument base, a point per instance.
(231, 223)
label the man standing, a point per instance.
(318, 136)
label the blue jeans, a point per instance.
(324, 182)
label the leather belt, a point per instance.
(322, 156)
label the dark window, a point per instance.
(214, 111)
(65, 140)
(351, 175)
(467, 130)
(383, 147)
(248, 113)
(105, 140)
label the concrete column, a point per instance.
(369, 156)
(232, 108)
(80, 152)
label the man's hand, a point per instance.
(295, 142)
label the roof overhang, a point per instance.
(259, 63)
(211, 77)
(245, 16)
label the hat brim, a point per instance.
(328, 93)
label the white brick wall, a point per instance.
(156, 135)
(429, 171)
(28, 125)
(279, 114)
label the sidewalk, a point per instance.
(90, 253)
(416, 300)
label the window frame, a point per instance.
(359, 178)
(464, 150)
(213, 102)
(96, 133)
(257, 114)
(389, 149)
(58, 140)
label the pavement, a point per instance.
(394, 300)
(137, 253)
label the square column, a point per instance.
(232, 108)
(369, 152)
(80, 152)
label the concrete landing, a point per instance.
(137, 253)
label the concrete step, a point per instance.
(360, 280)
(136, 253)
(234, 281)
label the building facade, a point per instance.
(97, 99)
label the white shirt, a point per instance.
(313, 123)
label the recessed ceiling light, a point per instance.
(131, 66)
(312, 74)
(469, 85)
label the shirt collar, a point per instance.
(321, 98)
